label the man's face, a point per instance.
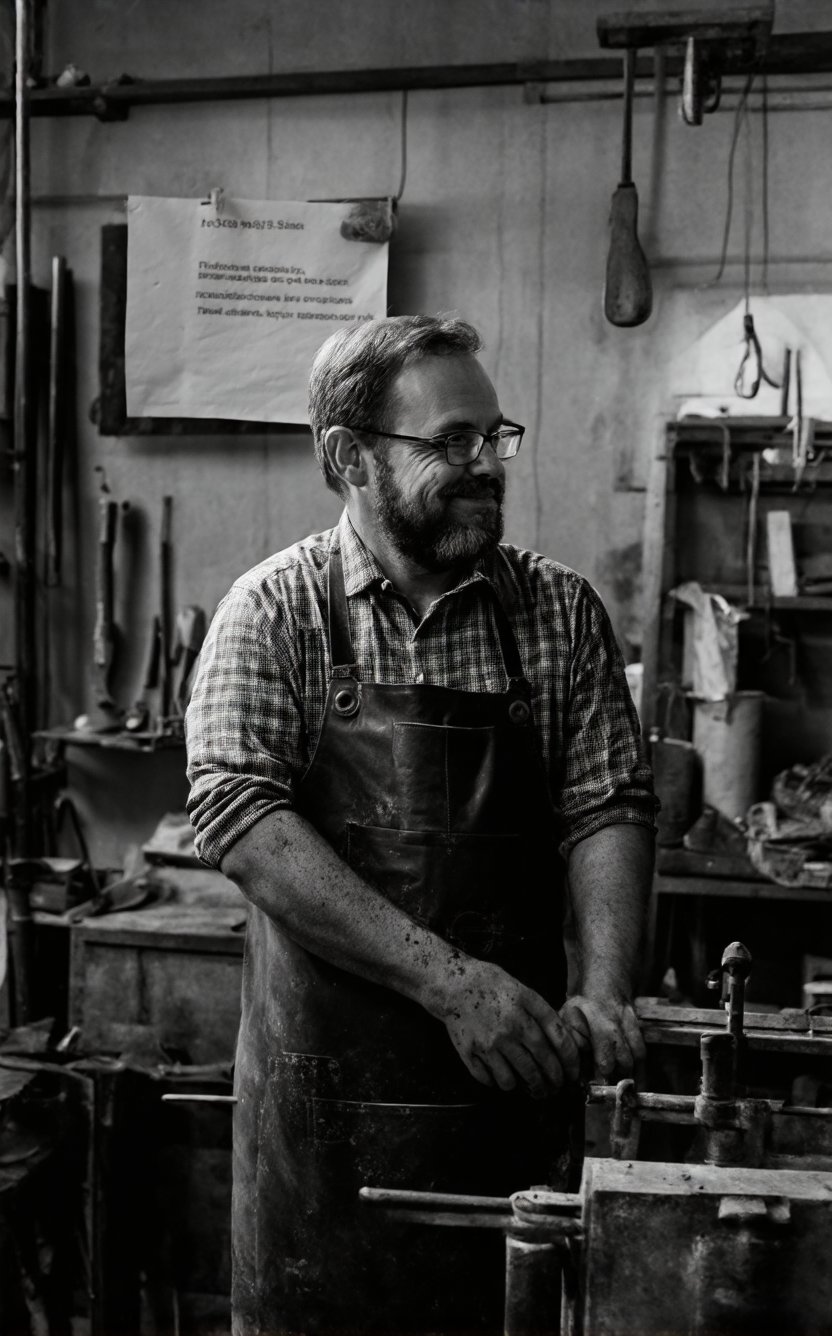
(438, 514)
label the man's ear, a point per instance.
(345, 456)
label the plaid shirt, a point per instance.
(258, 698)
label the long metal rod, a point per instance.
(25, 480)
(786, 53)
(56, 423)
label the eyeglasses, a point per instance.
(463, 446)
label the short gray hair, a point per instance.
(352, 372)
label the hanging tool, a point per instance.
(785, 382)
(190, 633)
(713, 42)
(104, 716)
(701, 86)
(628, 291)
(19, 874)
(165, 603)
(138, 715)
(797, 420)
(18, 767)
(56, 423)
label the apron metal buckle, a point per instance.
(519, 712)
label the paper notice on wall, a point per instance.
(228, 302)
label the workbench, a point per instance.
(150, 998)
(726, 1231)
(159, 986)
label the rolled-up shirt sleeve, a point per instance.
(244, 723)
(604, 778)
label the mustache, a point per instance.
(478, 488)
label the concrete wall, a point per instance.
(503, 218)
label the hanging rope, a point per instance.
(739, 116)
(751, 373)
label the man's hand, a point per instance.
(506, 1033)
(607, 1033)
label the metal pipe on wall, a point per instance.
(25, 461)
(785, 54)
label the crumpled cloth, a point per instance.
(790, 837)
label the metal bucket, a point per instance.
(726, 733)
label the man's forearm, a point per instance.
(503, 1031)
(609, 883)
(286, 868)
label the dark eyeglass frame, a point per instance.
(510, 432)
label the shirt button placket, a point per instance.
(418, 670)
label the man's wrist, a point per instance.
(602, 984)
(448, 971)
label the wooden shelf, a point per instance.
(716, 887)
(753, 434)
(764, 602)
(701, 503)
(118, 740)
(675, 860)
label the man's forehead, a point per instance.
(437, 385)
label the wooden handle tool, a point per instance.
(628, 290)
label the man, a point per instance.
(402, 733)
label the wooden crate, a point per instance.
(165, 979)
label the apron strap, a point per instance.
(342, 655)
(503, 601)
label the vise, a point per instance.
(732, 1240)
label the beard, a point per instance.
(426, 532)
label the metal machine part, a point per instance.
(731, 1241)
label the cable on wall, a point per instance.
(740, 115)
(765, 199)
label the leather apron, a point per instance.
(438, 798)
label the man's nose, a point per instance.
(487, 463)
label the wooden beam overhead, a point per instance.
(724, 26)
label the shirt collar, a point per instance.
(360, 566)
(361, 569)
